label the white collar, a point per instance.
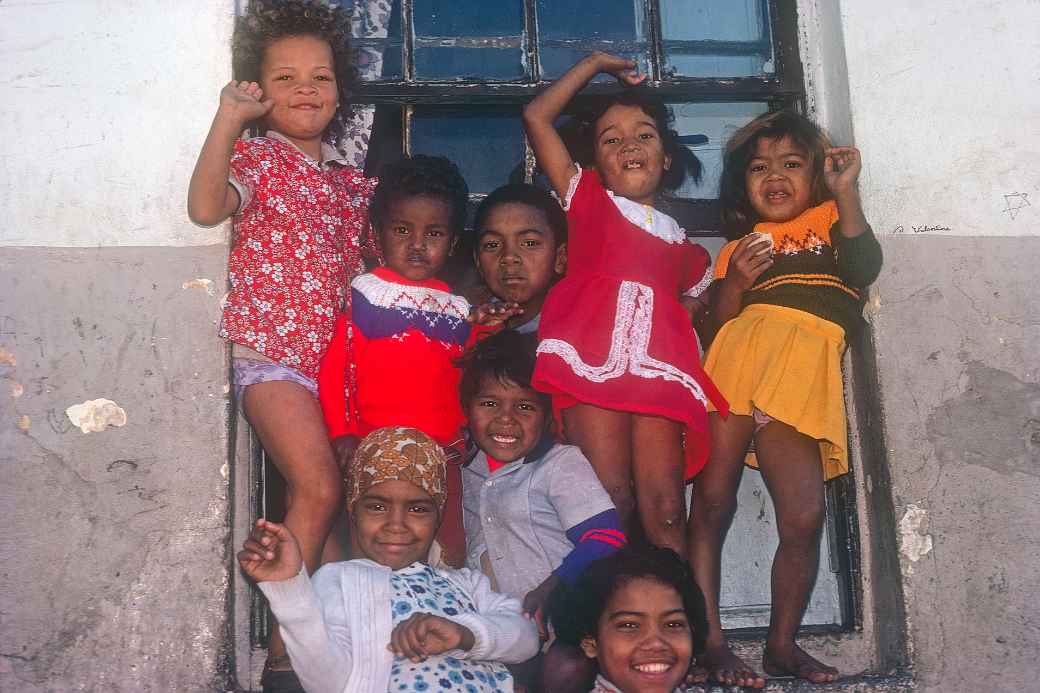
(653, 221)
(329, 153)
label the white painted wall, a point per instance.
(106, 103)
(945, 104)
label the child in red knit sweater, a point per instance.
(392, 357)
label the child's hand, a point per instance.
(751, 257)
(243, 101)
(270, 553)
(491, 314)
(534, 604)
(343, 449)
(423, 635)
(841, 166)
(622, 68)
(692, 306)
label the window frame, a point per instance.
(785, 88)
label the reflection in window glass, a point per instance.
(568, 30)
(716, 121)
(716, 38)
(381, 58)
(485, 143)
(468, 39)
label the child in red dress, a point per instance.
(618, 351)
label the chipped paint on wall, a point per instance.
(914, 540)
(17, 390)
(199, 283)
(96, 415)
(23, 422)
(7, 358)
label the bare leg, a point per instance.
(657, 469)
(288, 421)
(791, 468)
(605, 437)
(714, 502)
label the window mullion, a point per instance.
(784, 37)
(652, 12)
(408, 41)
(406, 129)
(531, 41)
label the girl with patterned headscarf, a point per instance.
(390, 620)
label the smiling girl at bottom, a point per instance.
(639, 615)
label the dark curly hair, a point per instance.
(267, 21)
(738, 217)
(507, 356)
(524, 194)
(575, 611)
(419, 174)
(580, 135)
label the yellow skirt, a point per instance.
(785, 363)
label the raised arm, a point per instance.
(211, 199)
(312, 615)
(841, 167)
(541, 113)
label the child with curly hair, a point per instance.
(299, 215)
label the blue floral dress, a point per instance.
(419, 589)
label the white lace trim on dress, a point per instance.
(572, 186)
(628, 345)
(699, 288)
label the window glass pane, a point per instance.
(467, 18)
(717, 122)
(568, 30)
(468, 39)
(716, 38)
(486, 144)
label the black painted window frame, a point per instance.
(785, 88)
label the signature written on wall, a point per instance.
(923, 228)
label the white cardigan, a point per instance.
(336, 627)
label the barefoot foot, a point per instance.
(696, 676)
(792, 660)
(727, 668)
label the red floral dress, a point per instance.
(613, 333)
(296, 246)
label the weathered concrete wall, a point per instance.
(945, 108)
(115, 548)
(959, 377)
(115, 543)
